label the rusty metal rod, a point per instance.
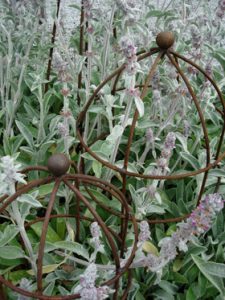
(43, 235)
(52, 47)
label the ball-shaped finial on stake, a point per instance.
(58, 164)
(165, 39)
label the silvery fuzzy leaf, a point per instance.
(9, 233)
(29, 199)
(155, 209)
(115, 134)
(140, 106)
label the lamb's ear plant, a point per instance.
(181, 260)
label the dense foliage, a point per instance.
(38, 115)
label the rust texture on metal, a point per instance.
(165, 40)
(58, 164)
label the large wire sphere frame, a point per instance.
(164, 40)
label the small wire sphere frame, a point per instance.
(164, 41)
(58, 165)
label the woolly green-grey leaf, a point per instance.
(213, 276)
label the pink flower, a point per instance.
(133, 92)
(65, 92)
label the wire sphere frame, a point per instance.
(162, 51)
(86, 180)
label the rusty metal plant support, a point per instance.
(165, 41)
(81, 185)
(57, 166)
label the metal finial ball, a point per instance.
(165, 39)
(58, 164)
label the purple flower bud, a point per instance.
(199, 221)
(131, 68)
(88, 14)
(95, 229)
(151, 190)
(133, 92)
(128, 48)
(195, 33)
(88, 278)
(156, 95)
(208, 69)
(182, 90)
(155, 81)
(90, 30)
(168, 249)
(65, 92)
(153, 262)
(219, 13)
(63, 129)
(192, 70)
(145, 233)
(149, 135)
(201, 218)
(186, 128)
(221, 4)
(96, 234)
(87, 4)
(128, 7)
(162, 162)
(166, 153)
(131, 3)
(103, 292)
(89, 293)
(89, 53)
(196, 54)
(170, 141)
(87, 287)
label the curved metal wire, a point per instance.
(44, 234)
(123, 171)
(114, 240)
